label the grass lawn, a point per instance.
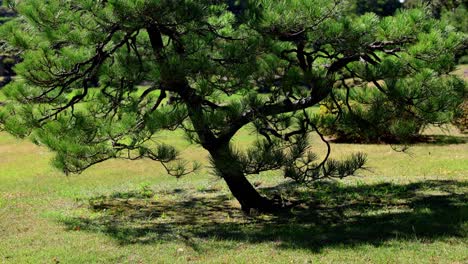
(406, 208)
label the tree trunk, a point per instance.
(230, 170)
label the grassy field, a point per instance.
(406, 208)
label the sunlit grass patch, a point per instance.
(407, 207)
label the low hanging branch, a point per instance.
(213, 61)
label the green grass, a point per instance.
(406, 208)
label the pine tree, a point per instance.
(211, 56)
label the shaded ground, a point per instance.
(332, 214)
(443, 139)
(46, 217)
(424, 139)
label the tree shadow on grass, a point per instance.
(438, 140)
(443, 139)
(332, 214)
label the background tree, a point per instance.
(379, 7)
(438, 7)
(212, 60)
(457, 16)
(385, 121)
(7, 57)
(6, 14)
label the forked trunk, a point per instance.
(230, 170)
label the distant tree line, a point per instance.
(379, 7)
(7, 60)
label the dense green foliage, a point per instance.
(437, 7)
(368, 116)
(212, 57)
(458, 17)
(377, 119)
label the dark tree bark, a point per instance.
(230, 170)
(224, 161)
